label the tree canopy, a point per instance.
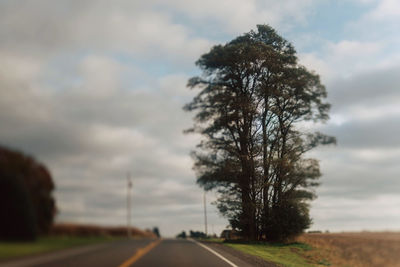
(254, 97)
(26, 202)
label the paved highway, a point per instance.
(136, 253)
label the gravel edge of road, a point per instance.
(250, 259)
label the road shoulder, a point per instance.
(238, 257)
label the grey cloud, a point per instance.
(381, 132)
(348, 214)
(356, 174)
(375, 87)
(171, 211)
(52, 29)
(69, 97)
(364, 164)
(89, 143)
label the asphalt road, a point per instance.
(136, 253)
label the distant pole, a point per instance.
(128, 205)
(205, 212)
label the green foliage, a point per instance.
(26, 200)
(197, 234)
(253, 95)
(181, 235)
(286, 221)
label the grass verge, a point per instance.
(10, 250)
(288, 255)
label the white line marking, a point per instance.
(215, 253)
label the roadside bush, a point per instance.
(181, 235)
(197, 234)
(286, 222)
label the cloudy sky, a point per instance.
(95, 89)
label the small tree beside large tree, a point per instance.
(254, 97)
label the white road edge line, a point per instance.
(215, 253)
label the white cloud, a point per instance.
(350, 49)
(386, 9)
(127, 27)
(344, 59)
(19, 68)
(347, 214)
(101, 75)
(312, 62)
(235, 16)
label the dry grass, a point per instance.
(364, 249)
(70, 229)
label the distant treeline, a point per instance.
(192, 234)
(71, 229)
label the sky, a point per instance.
(95, 89)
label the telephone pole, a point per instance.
(128, 205)
(205, 212)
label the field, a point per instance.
(366, 249)
(362, 249)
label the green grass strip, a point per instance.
(9, 250)
(290, 255)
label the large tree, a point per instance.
(253, 98)
(26, 201)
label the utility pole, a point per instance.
(128, 205)
(205, 211)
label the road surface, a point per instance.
(136, 253)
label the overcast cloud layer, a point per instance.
(95, 89)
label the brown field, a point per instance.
(71, 229)
(363, 249)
